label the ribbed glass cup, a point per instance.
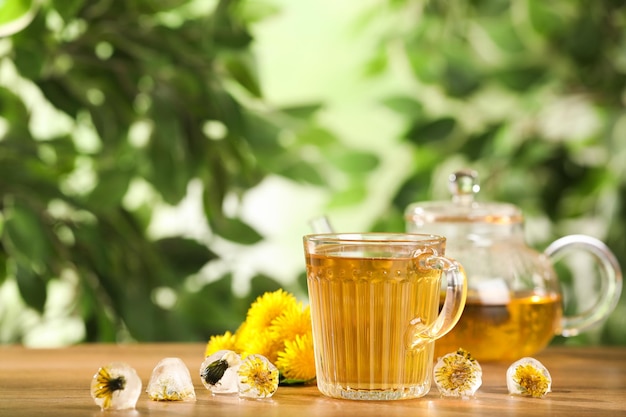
(375, 311)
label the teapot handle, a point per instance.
(610, 280)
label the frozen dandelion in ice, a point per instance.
(219, 372)
(258, 377)
(458, 374)
(116, 387)
(171, 381)
(528, 377)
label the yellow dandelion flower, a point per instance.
(241, 334)
(105, 385)
(293, 322)
(259, 342)
(297, 361)
(528, 377)
(267, 307)
(227, 341)
(258, 378)
(277, 327)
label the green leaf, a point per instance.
(30, 50)
(503, 34)
(315, 135)
(235, 230)
(27, 235)
(32, 286)
(262, 136)
(241, 67)
(425, 63)
(15, 15)
(392, 221)
(60, 96)
(110, 189)
(257, 11)
(431, 130)
(481, 143)
(3, 266)
(259, 285)
(65, 153)
(68, 9)
(100, 324)
(405, 105)
(169, 172)
(351, 161)
(223, 107)
(13, 110)
(460, 77)
(377, 64)
(493, 8)
(111, 119)
(423, 49)
(544, 17)
(352, 195)
(303, 111)
(585, 42)
(300, 285)
(301, 171)
(520, 78)
(293, 382)
(417, 186)
(144, 319)
(213, 309)
(151, 6)
(227, 29)
(185, 256)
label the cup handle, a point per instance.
(419, 333)
(610, 280)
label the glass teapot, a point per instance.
(514, 303)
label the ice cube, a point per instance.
(171, 381)
(218, 372)
(258, 377)
(116, 386)
(528, 377)
(458, 374)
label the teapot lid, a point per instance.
(463, 208)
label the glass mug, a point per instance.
(374, 301)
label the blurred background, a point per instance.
(161, 160)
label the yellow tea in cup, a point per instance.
(375, 311)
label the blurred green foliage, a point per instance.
(529, 93)
(152, 93)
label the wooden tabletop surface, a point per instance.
(55, 382)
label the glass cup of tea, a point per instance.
(375, 312)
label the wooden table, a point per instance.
(55, 382)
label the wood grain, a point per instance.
(55, 382)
